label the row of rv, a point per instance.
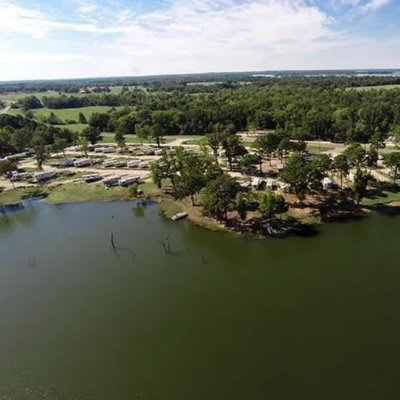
(112, 180)
(98, 149)
(85, 162)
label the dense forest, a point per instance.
(331, 78)
(304, 108)
(304, 112)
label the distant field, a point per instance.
(109, 138)
(315, 148)
(16, 96)
(66, 113)
(385, 87)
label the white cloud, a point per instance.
(374, 5)
(190, 36)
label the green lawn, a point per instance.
(110, 138)
(385, 198)
(315, 148)
(66, 113)
(11, 196)
(83, 192)
(16, 96)
(379, 87)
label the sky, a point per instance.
(51, 39)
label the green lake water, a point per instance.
(222, 317)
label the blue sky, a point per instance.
(81, 38)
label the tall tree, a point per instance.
(392, 161)
(8, 166)
(233, 148)
(219, 196)
(341, 165)
(296, 175)
(92, 134)
(361, 180)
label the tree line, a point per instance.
(304, 112)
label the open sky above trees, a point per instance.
(74, 38)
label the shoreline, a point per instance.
(276, 228)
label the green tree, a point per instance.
(191, 176)
(99, 121)
(39, 146)
(83, 144)
(319, 168)
(392, 161)
(219, 196)
(241, 206)
(271, 204)
(59, 145)
(341, 165)
(214, 139)
(361, 180)
(92, 134)
(356, 155)
(268, 144)
(82, 119)
(8, 166)
(296, 175)
(120, 139)
(233, 148)
(377, 141)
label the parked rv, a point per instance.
(91, 178)
(128, 181)
(82, 162)
(107, 150)
(133, 164)
(111, 181)
(108, 164)
(45, 176)
(66, 163)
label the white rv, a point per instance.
(91, 178)
(82, 162)
(45, 176)
(133, 164)
(108, 150)
(111, 181)
(128, 181)
(108, 164)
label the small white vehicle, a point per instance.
(128, 181)
(91, 178)
(45, 176)
(108, 164)
(107, 150)
(111, 181)
(133, 164)
(82, 162)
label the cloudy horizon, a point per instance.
(98, 38)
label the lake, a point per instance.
(221, 317)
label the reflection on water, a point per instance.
(214, 317)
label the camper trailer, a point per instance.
(108, 164)
(44, 176)
(128, 181)
(91, 178)
(111, 181)
(82, 162)
(133, 164)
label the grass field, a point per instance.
(16, 96)
(315, 148)
(385, 198)
(66, 114)
(385, 87)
